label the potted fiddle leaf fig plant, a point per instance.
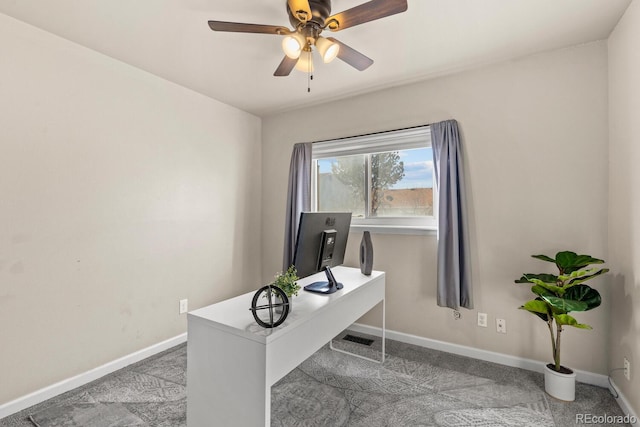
(556, 297)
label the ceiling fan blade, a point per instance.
(300, 9)
(240, 27)
(369, 11)
(352, 56)
(285, 67)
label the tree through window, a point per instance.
(384, 179)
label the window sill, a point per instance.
(395, 229)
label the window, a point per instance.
(384, 179)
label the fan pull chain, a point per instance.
(309, 75)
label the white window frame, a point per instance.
(395, 140)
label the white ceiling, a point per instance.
(171, 39)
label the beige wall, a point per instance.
(624, 198)
(120, 193)
(535, 138)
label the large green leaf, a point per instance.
(565, 319)
(585, 278)
(585, 294)
(577, 274)
(569, 262)
(585, 260)
(557, 290)
(548, 278)
(565, 259)
(537, 307)
(539, 290)
(544, 258)
(565, 305)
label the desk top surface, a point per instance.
(234, 315)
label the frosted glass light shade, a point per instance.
(305, 62)
(327, 49)
(293, 44)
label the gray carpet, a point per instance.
(414, 387)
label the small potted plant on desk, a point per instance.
(287, 281)
(557, 296)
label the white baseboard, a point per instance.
(63, 386)
(625, 406)
(476, 353)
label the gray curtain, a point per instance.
(454, 269)
(298, 197)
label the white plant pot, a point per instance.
(559, 385)
(279, 301)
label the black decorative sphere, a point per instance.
(273, 308)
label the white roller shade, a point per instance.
(402, 139)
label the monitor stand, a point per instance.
(328, 287)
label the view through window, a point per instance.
(383, 179)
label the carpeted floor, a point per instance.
(414, 387)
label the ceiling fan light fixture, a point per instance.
(305, 62)
(293, 44)
(328, 50)
(308, 23)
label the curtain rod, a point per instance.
(369, 134)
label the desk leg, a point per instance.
(384, 340)
(364, 357)
(226, 379)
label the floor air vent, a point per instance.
(359, 340)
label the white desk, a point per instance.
(232, 362)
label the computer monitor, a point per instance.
(320, 245)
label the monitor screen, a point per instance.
(321, 242)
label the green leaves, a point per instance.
(565, 305)
(576, 298)
(544, 258)
(541, 290)
(551, 287)
(548, 278)
(566, 292)
(571, 259)
(287, 281)
(537, 307)
(585, 294)
(576, 274)
(589, 277)
(565, 319)
(559, 295)
(568, 262)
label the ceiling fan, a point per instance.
(309, 18)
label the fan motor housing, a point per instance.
(320, 11)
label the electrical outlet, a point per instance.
(501, 326)
(627, 369)
(482, 319)
(184, 304)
